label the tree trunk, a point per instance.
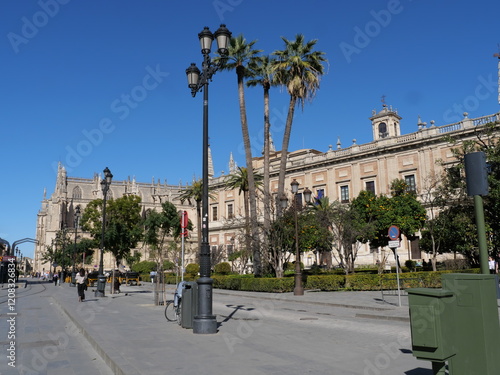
(240, 71)
(284, 152)
(266, 187)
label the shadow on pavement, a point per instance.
(420, 371)
(235, 308)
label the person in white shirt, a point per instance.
(81, 283)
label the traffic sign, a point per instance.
(393, 244)
(393, 232)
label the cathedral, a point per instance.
(340, 173)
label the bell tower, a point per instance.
(385, 124)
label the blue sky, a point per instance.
(69, 67)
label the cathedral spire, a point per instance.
(232, 164)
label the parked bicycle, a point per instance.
(173, 312)
(173, 309)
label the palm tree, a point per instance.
(195, 192)
(241, 53)
(239, 181)
(299, 69)
(261, 68)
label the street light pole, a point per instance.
(101, 279)
(298, 289)
(73, 272)
(205, 321)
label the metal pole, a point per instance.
(205, 321)
(101, 281)
(481, 234)
(182, 243)
(395, 249)
(73, 271)
(298, 290)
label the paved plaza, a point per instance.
(344, 333)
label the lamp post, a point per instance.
(101, 279)
(298, 289)
(205, 321)
(73, 272)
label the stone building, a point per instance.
(339, 173)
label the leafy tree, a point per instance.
(299, 69)
(401, 209)
(160, 229)
(241, 53)
(454, 229)
(123, 228)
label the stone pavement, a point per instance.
(344, 333)
(37, 337)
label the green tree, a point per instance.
(160, 228)
(401, 209)
(123, 228)
(299, 69)
(241, 53)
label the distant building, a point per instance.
(339, 174)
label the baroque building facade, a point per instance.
(339, 174)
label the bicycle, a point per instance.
(172, 312)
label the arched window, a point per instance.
(382, 130)
(77, 193)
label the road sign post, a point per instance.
(393, 234)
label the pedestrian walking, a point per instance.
(54, 278)
(81, 284)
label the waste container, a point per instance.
(189, 304)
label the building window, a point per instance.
(370, 186)
(230, 213)
(410, 181)
(382, 130)
(215, 215)
(77, 193)
(230, 249)
(344, 194)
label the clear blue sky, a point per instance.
(68, 65)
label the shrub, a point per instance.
(223, 268)
(193, 269)
(144, 267)
(168, 265)
(325, 283)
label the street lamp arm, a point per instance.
(209, 68)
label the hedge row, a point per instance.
(356, 282)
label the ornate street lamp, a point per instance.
(205, 321)
(73, 272)
(298, 289)
(101, 279)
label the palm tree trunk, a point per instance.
(284, 151)
(240, 70)
(266, 178)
